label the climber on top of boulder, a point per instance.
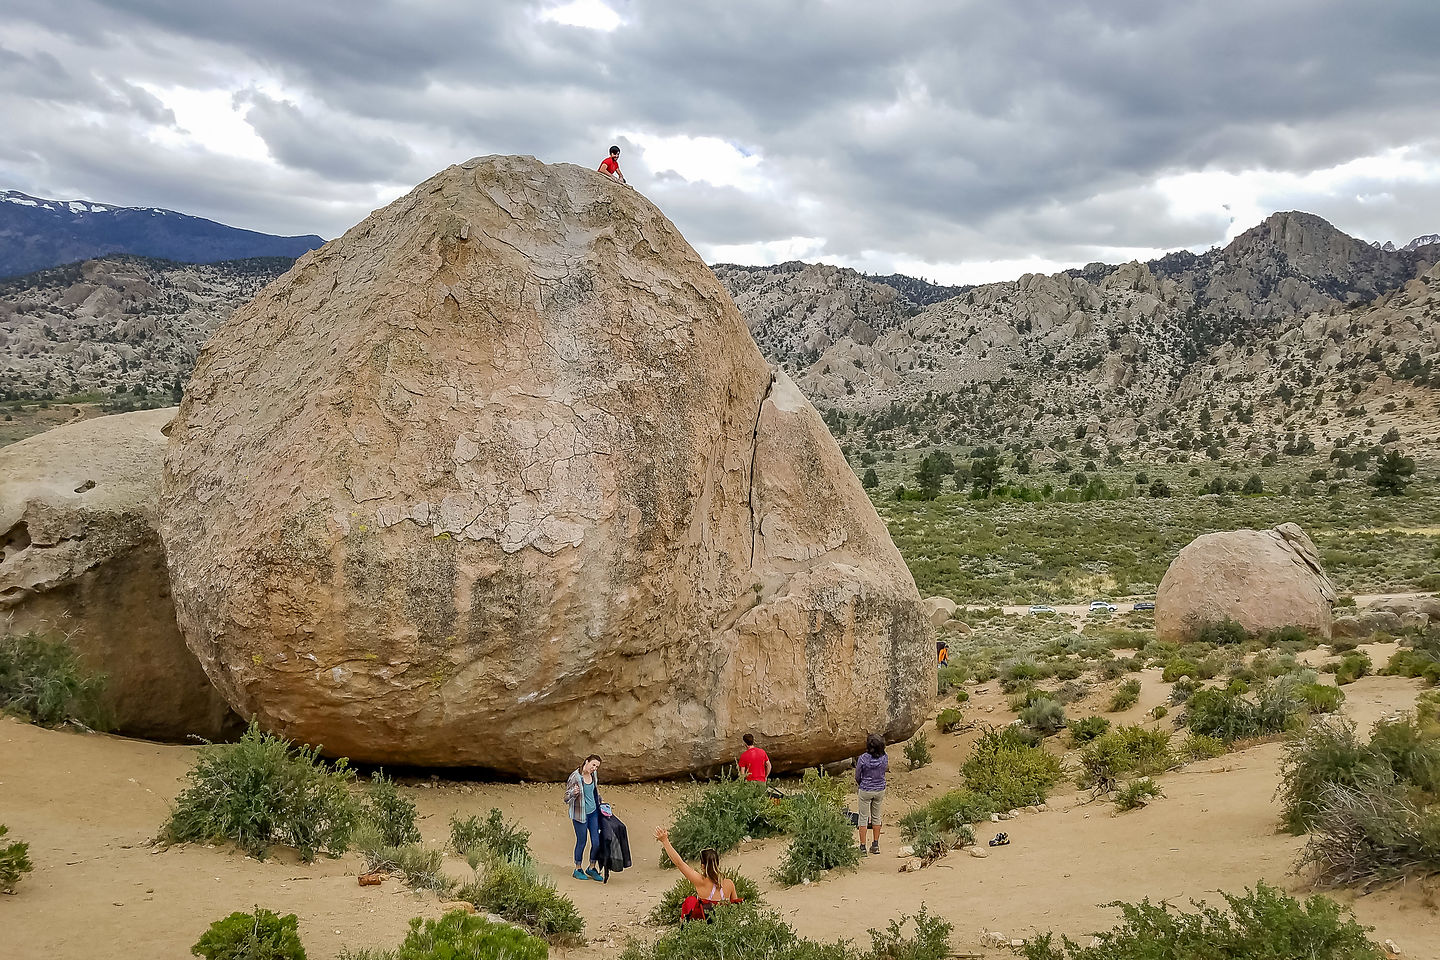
(610, 166)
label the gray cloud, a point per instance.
(938, 132)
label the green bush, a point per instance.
(1229, 716)
(950, 677)
(1222, 633)
(1179, 667)
(263, 790)
(1325, 754)
(821, 839)
(1084, 730)
(421, 867)
(948, 719)
(1353, 666)
(1008, 772)
(736, 933)
(460, 935)
(261, 935)
(1183, 690)
(1159, 711)
(667, 911)
(1136, 793)
(1371, 833)
(514, 889)
(947, 813)
(835, 790)
(1125, 751)
(1198, 747)
(14, 861)
(1265, 925)
(392, 815)
(494, 835)
(1126, 696)
(930, 942)
(722, 814)
(43, 681)
(1320, 697)
(917, 751)
(1411, 750)
(1019, 674)
(1045, 715)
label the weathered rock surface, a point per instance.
(1262, 579)
(80, 556)
(499, 478)
(1367, 623)
(940, 609)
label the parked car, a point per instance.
(1039, 608)
(1144, 605)
(1102, 606)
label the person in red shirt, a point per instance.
(754, 762)
(610, 166)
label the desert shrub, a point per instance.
(1126, 696)
(1265, 923)
(930, 942)
(834, 790)
(1222, 633)
(917, 751)
(1319, 697)
(1136, 793)
(822, 839)
(261, 935)
(1160, 711)
(420, 867)
(1427, 710)
(667, 911)
(1353, 666)
(1419, 658)
(736, 933)
(494, 835)
(514, 889)
(1230, 716)
(948, 812)
(950, 677)
(962, 696)
(1085, 729)
(1044, 715)
(1199, 747)
(1371, 833)
(460, 935)
(1410, 750)
(948, 719)
(1183, 690)
(1325, 754)
(1008, 772)
(43, 681)
(1125, 751)
(1019, 674)
(14, 861)
(1339, 645)
(263, 790)
(720, 816)
(1180, 667)
(391, 814)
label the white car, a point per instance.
(1041, 608)
(1102, 606)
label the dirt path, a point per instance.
(88, 804)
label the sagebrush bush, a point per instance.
(1353, 666)
(667, 911)
(1265, 923)
(460, 935)
(1320, 697)
(1136, 793)
(917, 751)
(1199, 747)
(1008, 772)
(1085, 729)
(1126, 696)
(930, 942)
(1324, 754)
(821, 839)
(1019, 674)
(493, 835)
(392, 814)
(1411, 750)
(1183, 690)
(948, 719)
(1128, 751)
(514, 889)
(1222, 633)
(947, 813)
(950, 677)
(1417, 657)
(722, 814)
(1178, 668)
(14, 861)
(420, 867)
(1044, 715)
(1230, 716)
(43, 681)
(736, 933)
(1370, 833)
(263, 790)
(261, 935)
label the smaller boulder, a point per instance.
(939, 609)
(1367, 624)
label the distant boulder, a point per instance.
(80, 557)
(1261, 579)
(939, 609)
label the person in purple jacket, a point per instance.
(870, 770)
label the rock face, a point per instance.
(940, 610)
(1262, 579)
(499, 479)
(79, 555)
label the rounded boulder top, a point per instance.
(499, 479)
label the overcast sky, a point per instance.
(960, 141)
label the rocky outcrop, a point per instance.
(80, 558)
(499, 479)
(1261, 579)
(940, 609)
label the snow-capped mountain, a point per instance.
(36, 233)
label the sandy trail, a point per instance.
(89, 803)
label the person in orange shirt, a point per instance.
(610, 166)
(754, 763)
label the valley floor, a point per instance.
(89, 805)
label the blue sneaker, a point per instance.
(579, 874)
(594, 874)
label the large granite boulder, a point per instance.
(499, 478)
(80, 558)
(1261, 579)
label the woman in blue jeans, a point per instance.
(582, 793)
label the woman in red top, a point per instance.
(610, 166)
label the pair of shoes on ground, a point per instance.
(591, 874)
(999, 840)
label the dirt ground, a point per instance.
(89, 805)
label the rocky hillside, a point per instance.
(120, 325)
(37, 233)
